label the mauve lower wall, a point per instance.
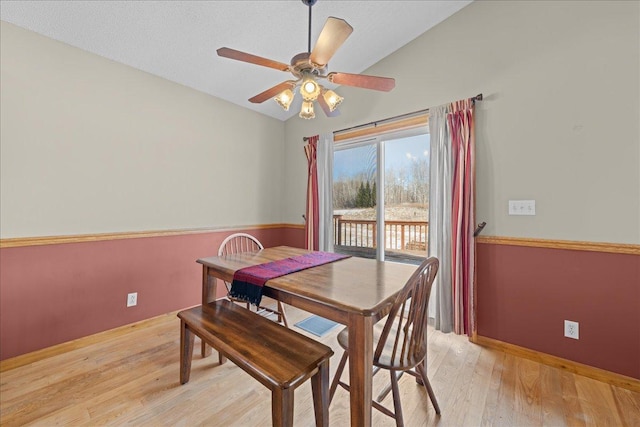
(56, 293)
(526, 293)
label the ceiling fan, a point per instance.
(308, 67)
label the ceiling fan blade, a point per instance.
(334, 33)
(271, 92)
(326, 109)
(252, 59)
(360, 80)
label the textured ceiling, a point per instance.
(177, 40)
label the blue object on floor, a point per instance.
(317, 325)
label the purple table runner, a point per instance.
(248, 282)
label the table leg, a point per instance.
(360, 368)
(208, 295)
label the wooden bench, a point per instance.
(280, 358)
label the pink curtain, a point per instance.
(460, 121)
(312, 213)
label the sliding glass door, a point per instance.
(381, 197)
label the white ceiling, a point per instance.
(177, 40)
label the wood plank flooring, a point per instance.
(132, 378)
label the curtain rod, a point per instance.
(478, 97)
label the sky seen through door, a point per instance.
(348, 163)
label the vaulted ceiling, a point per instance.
(177, 40)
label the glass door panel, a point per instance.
(355, 174)
(406, 198)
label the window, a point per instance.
(381, 195)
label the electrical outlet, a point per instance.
(132, 299)
(571, 329)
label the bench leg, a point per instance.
(186, 352)
(282, 407)
(320, 388)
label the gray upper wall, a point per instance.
(89, 145)
(560, 122)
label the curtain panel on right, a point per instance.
(452, 215)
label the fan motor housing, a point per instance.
(302, 64)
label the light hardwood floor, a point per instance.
(131, 377)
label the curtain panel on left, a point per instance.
(312, 212)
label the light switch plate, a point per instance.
(522, 207)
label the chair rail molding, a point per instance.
(616, 248)
(82, 238)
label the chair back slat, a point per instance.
(238, 243)
(403, 342)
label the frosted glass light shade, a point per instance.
(309, 89)
(284, 99)
(332, 99)
(306, 112)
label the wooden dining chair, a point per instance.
(401, 344)
(243, 242)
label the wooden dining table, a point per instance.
(356, 292)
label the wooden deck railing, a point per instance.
(399, 235)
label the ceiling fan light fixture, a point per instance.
(284, 99)
(306, 112)
(332, 99)
(310, 66)
(309, 89)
